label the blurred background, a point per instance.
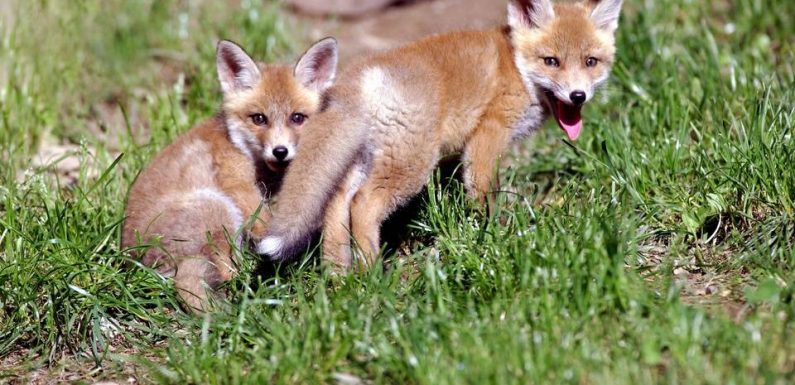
(96, 65)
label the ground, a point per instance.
(658, 248)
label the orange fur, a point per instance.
(394, 114)
(187, 206)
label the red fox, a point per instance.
(393, 115)
(203, 187)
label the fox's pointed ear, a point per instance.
(604, 14)
(530, 13)
(317, 68)
(236, 70)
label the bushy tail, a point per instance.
(329, 145)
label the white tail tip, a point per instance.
(270, 246)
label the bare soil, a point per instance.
(401, 24)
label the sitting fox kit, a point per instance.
(393, 115)
(205, 186)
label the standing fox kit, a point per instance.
(204, 186)
(393, 115)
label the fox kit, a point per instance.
(392, 115)
(206, 184)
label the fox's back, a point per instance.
(448, 79)
(185, 166)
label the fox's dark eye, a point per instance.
(591, 62)
(297, 118)
(259, 119)
(552, 61)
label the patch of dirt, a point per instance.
(109, 119)
(121, 367)
(7, 13)
(402, 24)
(711, 290)
(698, 275)
(63, 160)
(342, 8)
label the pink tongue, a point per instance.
(569, 119)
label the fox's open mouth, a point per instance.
(567, 116)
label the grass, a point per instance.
(659, 248)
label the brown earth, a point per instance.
(401, 24)
(343, 8)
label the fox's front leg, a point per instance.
(481, 155)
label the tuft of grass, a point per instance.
(656, 249)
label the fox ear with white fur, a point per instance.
(317, 68)
(530, 13)
(236, 70)
(604, 14)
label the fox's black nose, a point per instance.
(577, 97)
(280, 152)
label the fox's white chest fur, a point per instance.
(529, 121)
